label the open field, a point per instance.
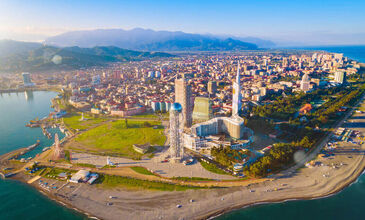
(142, 170)
(146, 115)
(118, 137)
(212, 168)
(131, 183)
(73, 121)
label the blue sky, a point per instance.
(309, 22)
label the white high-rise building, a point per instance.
(304, 84)
(183, 97)
(27, 80)
(236, 94)
(340, 77)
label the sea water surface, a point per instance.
(348, 204)
(18, 200)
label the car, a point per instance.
(178, 206)
(165, 161)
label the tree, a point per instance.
(126, 122)
(146, 124)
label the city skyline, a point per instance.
(313, 23)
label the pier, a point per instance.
(15, 154)
(46, 132)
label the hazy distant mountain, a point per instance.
(11, 47)
(37, 57)
(258, 41)
(261, 43)
(148, 40)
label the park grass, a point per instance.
(85, 165)
(117, 137)
(67, 156)
(108, 166)
(191, 178)
(73, 122)
(54, 172)
(111, 181)
(212, 168)
(142, 170)
(146, 115)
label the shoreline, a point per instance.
(351, 179)
(241, 207)
(59, 200)
(35, 89)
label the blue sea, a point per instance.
(352, 52)
(20, 201)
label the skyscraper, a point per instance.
(340, 77)
(176, 128)
(183, 96)
(26, 79)
(202, 109)
(236, 94)
(304, 84)
(212, 87)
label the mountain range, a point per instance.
(150, 40)
(24, 56)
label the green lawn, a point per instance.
(115, 138)
(86, 165)
(191, 178)
(212, 168)
(54, 172)
(73, 121)
(131, 183)
(142, 170)
(147, 115)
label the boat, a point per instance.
(46, 133)
(45, 149)
(30, 125)
(62, 129)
